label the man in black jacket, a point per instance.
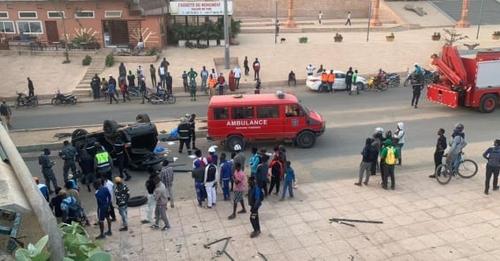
(183, 130)
(95, 84)
(439, 152)
(48, 173)
(417, 85)
(192, 130)
(348, 80)
(492, 154)
(370, 155)
(255, 196)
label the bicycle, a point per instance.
(467, 168)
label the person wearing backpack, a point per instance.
(458, 143)
(389, 156)
(370, 155)
(198, 174)
(255, 196)
(492, 154)
(276, 174)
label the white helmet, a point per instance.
(379, 130)
(212, 148)
(237, 147)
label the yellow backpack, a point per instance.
(390, 158)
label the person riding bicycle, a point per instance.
(457, 144)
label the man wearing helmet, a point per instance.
(456, 146)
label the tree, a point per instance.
(452, 36)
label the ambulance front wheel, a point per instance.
(305, 139)
(233, 140)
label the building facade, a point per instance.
(120, 23)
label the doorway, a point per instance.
(116, 33)
(52, 32)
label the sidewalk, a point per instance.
(422, 221)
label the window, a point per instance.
(84, 14)
(268, 112)
(221, 113)
(243, 112)
(339, 75)
(293, 110)
(56, 14)
(29, 27)
(113, 14)
(27, 14)
(7, 27)
(4, 14)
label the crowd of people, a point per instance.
(328, 78)
(228, 173)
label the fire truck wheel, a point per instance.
(488, 103)
(232, 140)
(305, 139)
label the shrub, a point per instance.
(86, 38)
(110, 60)
(303, 39)
(87, 60)
(153, 51)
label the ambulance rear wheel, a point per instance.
(488, 103)
(233, 140)
(305, 139)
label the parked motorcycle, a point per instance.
(60, 98)
(25, 100)
(161, 98)
(389, 80)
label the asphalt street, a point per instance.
(488, 15)
(350, 119)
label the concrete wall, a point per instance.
(150, 25)
(303, 8)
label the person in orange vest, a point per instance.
(331, 80)
(212, 82)
(324, 81)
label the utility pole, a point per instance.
(369, 18)
(276, 23)
(226, 37)
(480, 18)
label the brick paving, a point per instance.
(422, 221)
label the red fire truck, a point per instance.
(469, 81)
(237, 119)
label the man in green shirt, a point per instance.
(389, 156)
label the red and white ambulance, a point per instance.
(238, 119)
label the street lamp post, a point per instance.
(290, 23)
(226, 36)
(464, 19)
(480, 19)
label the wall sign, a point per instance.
(200, 8)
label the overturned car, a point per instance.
(140, 140)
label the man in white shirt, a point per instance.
(110, 186)
(348, 18)
(237, 76)
(310, 70)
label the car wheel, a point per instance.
(78, 133)
(233, 140)
(488, 103)
(305, 139)
(137, 201)
(73, 101)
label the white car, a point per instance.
(314, 82)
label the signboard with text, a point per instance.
(200, 8)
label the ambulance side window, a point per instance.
(267, 112)
(242, 112)
(221, 114)
(293, 110)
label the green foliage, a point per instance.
(87, 60)
(84, 39)
(153, 51)
(77, 245)
(35, 252)
(205, 31)
(110, 60)
(303, 39)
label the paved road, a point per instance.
(453, 8)
(336, 155)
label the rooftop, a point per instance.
(253, 99)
